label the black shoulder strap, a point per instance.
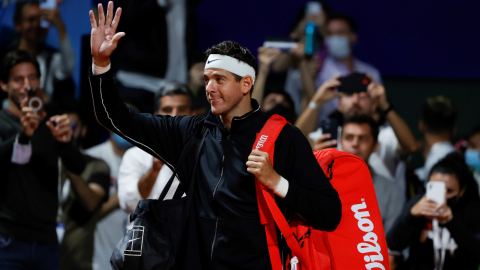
(188, 147)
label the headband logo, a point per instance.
(212, 61)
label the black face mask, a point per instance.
(287, 113)
(453, 202)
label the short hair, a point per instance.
(364, 119)
(439, 114)
(454, 164)
(14, 58)
(173, 89)
(237, 51)
(346, 18)
(18, 15)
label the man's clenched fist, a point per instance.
(259, 165)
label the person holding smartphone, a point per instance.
(30, 147)
(440, 236)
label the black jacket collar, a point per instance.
(238, 121)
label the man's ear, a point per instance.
(3, 86)
(247, 83)
(84, 131)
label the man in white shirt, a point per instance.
(141, 175)
(438, 127)
(395, 139)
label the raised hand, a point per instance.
(326, 91)
(267, 55)
(103, 39)
(60, 127)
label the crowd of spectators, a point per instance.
(66, 206)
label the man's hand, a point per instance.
(259, 165)
(29, 119)
(62, 131)
(53, 16)
(267, 55)
(324, 142)
(425, 207)
(103, 39)
(326, 91)
(377, 92)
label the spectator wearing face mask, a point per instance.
(112, 226)
(359, 137)
(340, 38)
(82, 197)
(472, 154)
(441, 236)
(438, 125)
(395, 140)
(142, 176)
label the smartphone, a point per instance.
(330, 126)
(313, 7)
(436, 191)
(354, 83)
(283, 45)
(35, 100)
(47, 4)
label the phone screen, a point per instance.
(330, 126)
(47, 4)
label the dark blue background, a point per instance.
(408, 38)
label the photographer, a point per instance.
(30, 145)
(458, 218)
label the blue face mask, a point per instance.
(472, 158)
(338, 46)
(121, 142)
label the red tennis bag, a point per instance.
(359, 240)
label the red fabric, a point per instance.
(359, 240)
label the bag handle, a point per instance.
(268, 209)
(188, 147)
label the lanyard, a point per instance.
(441, 238)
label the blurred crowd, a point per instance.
(68, 184)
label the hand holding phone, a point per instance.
(436, 193)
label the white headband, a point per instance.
(231, 64)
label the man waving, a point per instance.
(227, 233)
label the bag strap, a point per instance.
(268, 209)
(188, 147)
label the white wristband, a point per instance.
(312, 105)
(100, 70)
(282, 187)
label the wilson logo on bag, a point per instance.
(359, 240)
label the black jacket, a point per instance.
(228, 234)
(29, 192)
(464, 228)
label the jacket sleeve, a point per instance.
(401, 234)
(161, 136)
(465, 228)
(309, 193)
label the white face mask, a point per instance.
(338, 46)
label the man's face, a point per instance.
(272, 100)
(22, 76)
(341, 28)
(223, 92)
(175, 105)
(29, 27)
(474, 141)
(357, 139)
(357, 103)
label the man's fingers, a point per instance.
(116, 38)
(323, 137)
(101, 15)
(325, 145)
(116, 20)
(93, 21)
(108, 21)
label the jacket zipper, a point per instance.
(214, 191)
(214, 238)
